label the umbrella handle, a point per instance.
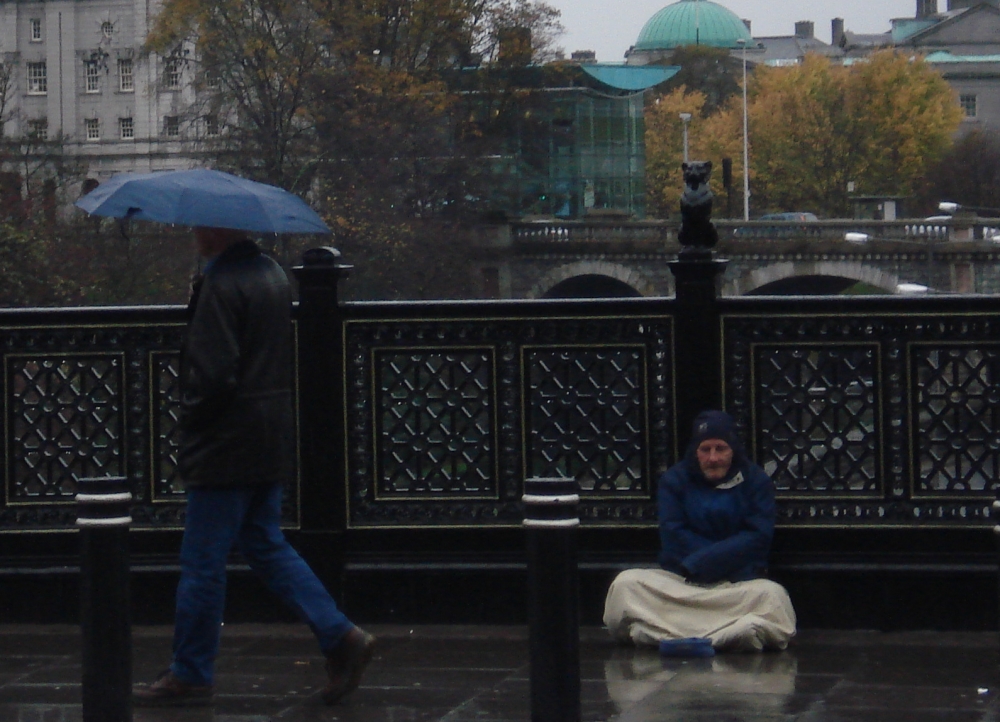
(121, 229)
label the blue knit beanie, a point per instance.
(715, 425)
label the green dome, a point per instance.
(692, 22)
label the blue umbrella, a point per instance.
(203, 198)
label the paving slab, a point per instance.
(273, 673)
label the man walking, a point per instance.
(237, 449)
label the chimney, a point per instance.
(805, 30)
(514, 46)
(747, 23)
(926, 8)
(837, 28)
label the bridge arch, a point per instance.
(628, 281)
(855, 271)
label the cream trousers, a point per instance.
(648, 605)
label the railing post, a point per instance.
(697, 339)
(550, 520)
(104, 520)
(321, 388)
(697, 336)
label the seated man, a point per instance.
(716, 511)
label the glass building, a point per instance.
(568, 140)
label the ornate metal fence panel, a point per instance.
(956, 419)
(435, 431)
(816, 428)
(165, 434)
(90, 393)
(66, 419)
(873, 418)
(446, 417)
(594, 397)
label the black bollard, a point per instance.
(103, 518)
(550, 520)
(996, 536)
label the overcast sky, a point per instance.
(610, 27)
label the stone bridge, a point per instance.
(603, 259)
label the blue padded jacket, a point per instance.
(710, 534)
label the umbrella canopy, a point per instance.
(203, 198)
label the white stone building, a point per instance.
(78, 75)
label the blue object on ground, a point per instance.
(687, 647)
(203, 197)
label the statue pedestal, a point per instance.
(697, 336)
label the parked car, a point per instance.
(783, 231)
(790, 216)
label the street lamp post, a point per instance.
(746, 137)
(953, 208)
(685, 118)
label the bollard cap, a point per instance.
(101, 484)
(103, 501)
(550, 486)
(551, 502)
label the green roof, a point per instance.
(693, 22)
(943, 56)
(631, 77)
(902, 29)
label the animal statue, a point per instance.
(697, 232)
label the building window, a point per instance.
(125, 82)
(211, 126)
(39, 129)
(37, 81)
(92, 126)
(172, 74)
(126, 129)
(968, 103)
(93, 77)
(36, 30)
(171, 126)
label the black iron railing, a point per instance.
(875, 412)
(451, 406)
(91, 393)
(878, 412)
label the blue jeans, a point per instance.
(216, 519)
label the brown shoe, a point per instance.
(169, 691)
(346, 664)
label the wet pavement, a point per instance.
(465, 673)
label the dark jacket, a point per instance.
(237, 425)
(710, 534)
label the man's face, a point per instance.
(210, 242)
(203, 238)
(715, 457)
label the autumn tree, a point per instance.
(816, 126)
(34, 175)
(665, 146)
(969, 173)
(711, 72)
(345, 100)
